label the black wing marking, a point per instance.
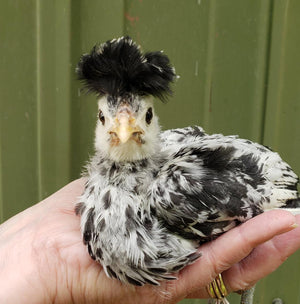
(203, 192)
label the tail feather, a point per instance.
(293, 206)
(293, 203)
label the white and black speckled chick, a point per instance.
(152, 198)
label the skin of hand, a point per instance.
(43, 259)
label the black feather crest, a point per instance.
(118, 67)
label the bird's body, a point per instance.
(151, 197)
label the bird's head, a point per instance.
(126, 82)
(127, 128)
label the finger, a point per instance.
(232, 247)
(263, 260)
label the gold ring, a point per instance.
(216, 289)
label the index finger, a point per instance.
(232, 247)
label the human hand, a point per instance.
(43, 259)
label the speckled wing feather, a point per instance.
(210, 183)
(120, 227)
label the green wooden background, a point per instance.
(239, 67)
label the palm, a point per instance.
(60, 234)
(68, 272)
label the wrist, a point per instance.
(24, 275)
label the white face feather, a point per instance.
(132, 149)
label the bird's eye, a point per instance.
(101, 117)
(149, 116)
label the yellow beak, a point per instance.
(125, 126)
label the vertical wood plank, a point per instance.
(282, 127)
(236, 70)
(219, 49)
(283, 99)
(92, 22)
(53, 94)
(18, 107)
(179, 28)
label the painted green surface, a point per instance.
(282, 122)
(239, 67)
(18, 106)
(53, 94)
(219, 49)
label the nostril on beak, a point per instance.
(113, 134)
(136, 134)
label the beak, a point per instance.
(125, 125)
